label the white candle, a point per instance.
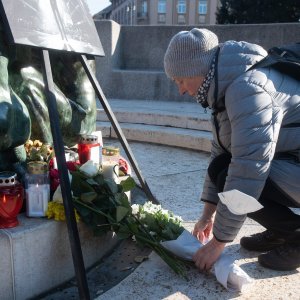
(110, 170)
(37, 198)
(95, 154)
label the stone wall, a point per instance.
(133, 64)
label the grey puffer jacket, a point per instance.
(261, 117)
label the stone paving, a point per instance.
(175, 177)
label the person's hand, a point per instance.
(208, 254)
(202, 229)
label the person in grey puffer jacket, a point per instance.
(255, 147)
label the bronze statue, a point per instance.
(23, 104)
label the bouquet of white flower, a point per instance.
(103, 205)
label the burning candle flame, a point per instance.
(4, 199)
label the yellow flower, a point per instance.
(37, 143)
(57, 211)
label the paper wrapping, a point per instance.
(230, 275)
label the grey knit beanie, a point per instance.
(190, 53)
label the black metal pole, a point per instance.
(64, 180)
(117, 128)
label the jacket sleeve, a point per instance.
(255, 120)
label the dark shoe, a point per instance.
(263, 241)
(283, 258)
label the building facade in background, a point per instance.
(160, 12)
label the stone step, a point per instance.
(180, 124)
(159, 119)
(162, 113)
(171, 136)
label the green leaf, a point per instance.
(128, 184)
(88, 197)
(79, 184)
(134, 228)
(122, 232)
(113, 187)
(121, 213)
(99, 178)
(83, 211)
(102, 202)
(123, 200)
(91, 181)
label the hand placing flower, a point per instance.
(208, 254)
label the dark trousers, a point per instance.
(276, 215)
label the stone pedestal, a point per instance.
(36, 256)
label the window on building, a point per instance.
(161, 8)
(202, 7)
(144, 7)
(181, 7)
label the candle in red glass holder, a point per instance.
(11, 199)
(89, 149)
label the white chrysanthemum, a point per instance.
(177, 219)
(165, 212)
(135, 209)
(151, 208)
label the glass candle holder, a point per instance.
(11, 199)
(89, 149)
(37, 189)
(110, 162)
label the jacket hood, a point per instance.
(234, 59)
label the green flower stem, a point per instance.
(144, 229)
(172, 263)
(176, 266)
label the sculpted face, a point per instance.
(188, 85)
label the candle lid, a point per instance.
(7, 178)
(110, 151)
(88, 139)
(37, 167)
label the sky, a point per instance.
(97, 5)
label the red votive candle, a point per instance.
(11, 199)
(89, 149)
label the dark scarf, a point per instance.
(202, 93)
